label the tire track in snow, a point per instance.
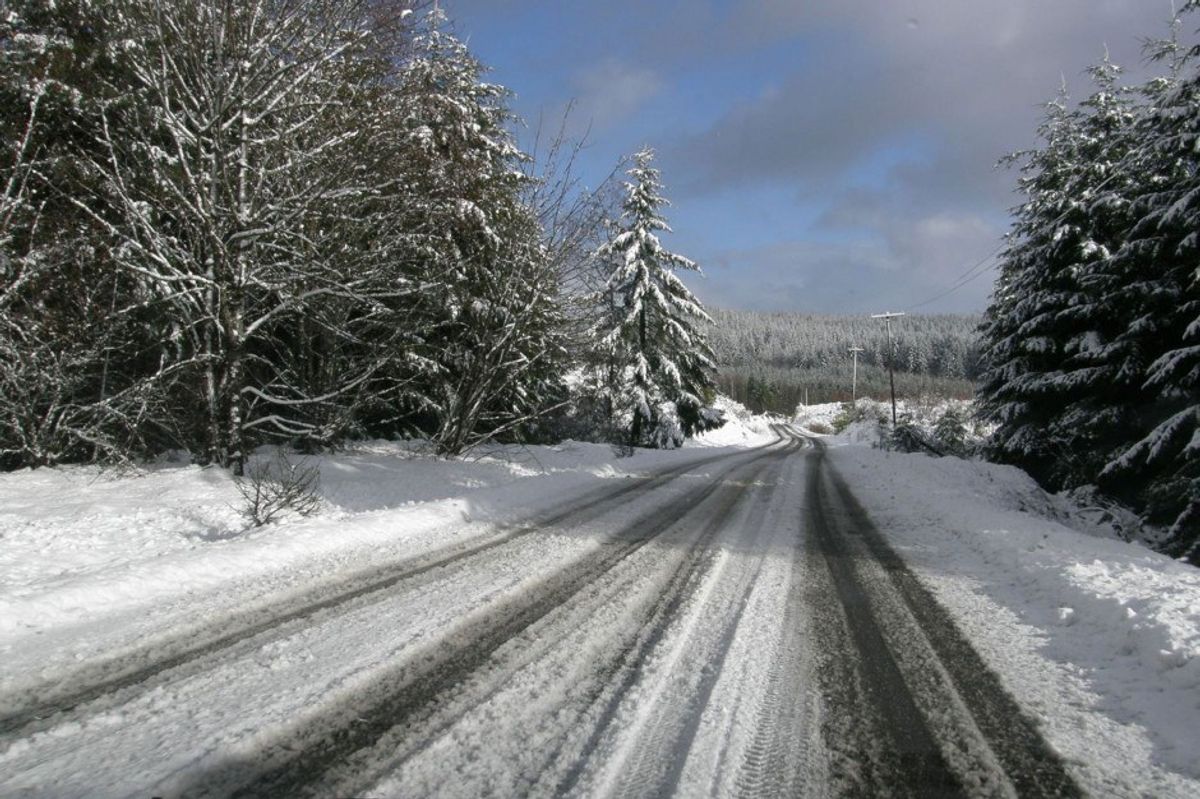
(660, 750)
(751, 710)
(634, 660)
(892, 744)
(779, 759)
(681, 743)
(911, 708)
(668, 728)
(550, 766)
(117, 678)
(299, 758)
(1028, 763)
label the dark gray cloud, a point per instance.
(969, 78)
(807, 131)
(972, 74)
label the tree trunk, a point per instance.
(237, 321)
(638, 421)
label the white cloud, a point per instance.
(611, 91)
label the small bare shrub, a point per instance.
(271, 488)
(622, 449)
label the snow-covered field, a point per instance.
(1098, 639)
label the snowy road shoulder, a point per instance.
(1096, 638)
(93, 563)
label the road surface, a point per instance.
(734, 627)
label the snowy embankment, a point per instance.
(1099, 639)
(92, 562)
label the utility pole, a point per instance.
(854, 351)
(888, 317)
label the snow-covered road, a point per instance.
(729, 626)
(912, 708)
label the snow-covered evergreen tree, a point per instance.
(1093, 338)
(951, 433)
(1159, 278)
(1060, 405)
(654, 358)
(492, 330)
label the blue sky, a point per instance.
(821, 156)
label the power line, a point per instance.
(1115, 171)
(978, 269)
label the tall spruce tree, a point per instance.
(1058, 402)
(1093, 338)
(655, 360)
(1158, 277)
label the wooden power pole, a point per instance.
(854, 351)
(888, 317)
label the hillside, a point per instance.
(770, 360)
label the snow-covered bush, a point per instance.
(951, 433)
(940, 428)
(1091, 508)
(666, 432)
(271, 488)
(910, 436)
(861, 411)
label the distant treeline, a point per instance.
(775, 361)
